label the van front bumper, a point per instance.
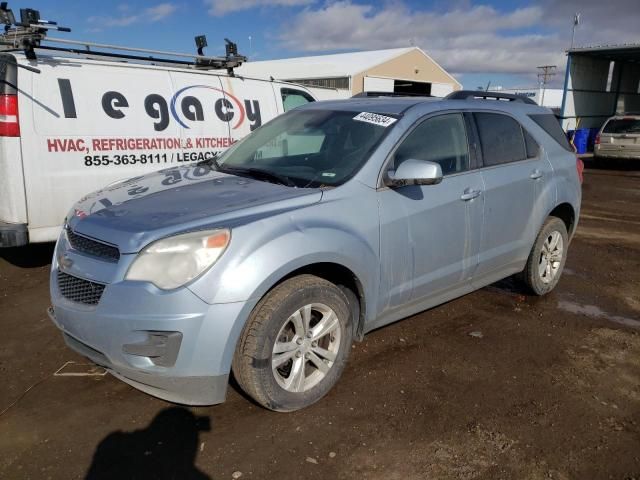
(13, 234)
(171, 345)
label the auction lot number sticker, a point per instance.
(375, 118)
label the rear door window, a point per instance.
(292, 98)
(622, 125)
(501, 138)
(550, 124)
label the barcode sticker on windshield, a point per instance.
(375, 118)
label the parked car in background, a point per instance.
(331, 220)
(619, 137)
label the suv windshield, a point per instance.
(622, 125)
(308, 148)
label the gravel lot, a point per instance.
(497, 384)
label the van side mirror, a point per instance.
(415, 172)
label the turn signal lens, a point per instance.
(580, 169)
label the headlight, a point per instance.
(173, 261)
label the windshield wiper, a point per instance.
(258, 174)
(210, 161)
(248, 171)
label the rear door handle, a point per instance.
(469, 194)
(536, 174)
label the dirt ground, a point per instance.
(544, 388)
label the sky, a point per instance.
(497, 41)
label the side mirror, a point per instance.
(415, 172)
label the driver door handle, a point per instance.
(535, 175)
(469, 194)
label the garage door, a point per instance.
(377, 84)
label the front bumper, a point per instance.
(120, 333)
(628, 153)
(185, 390)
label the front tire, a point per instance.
(547, 257)
(295, 344)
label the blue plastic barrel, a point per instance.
(581, 140)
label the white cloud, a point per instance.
(148, 15)
(222, 7)
(159, 12)
(464, 40)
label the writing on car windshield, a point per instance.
(309, 148)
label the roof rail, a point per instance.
(31, 31)
(388, 94)
(480, 94)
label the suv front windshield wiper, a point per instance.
(210, 161)
(256, 173)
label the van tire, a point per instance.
(303, 296)
(547, 257)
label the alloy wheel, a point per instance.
(550, 257)
(306, 347)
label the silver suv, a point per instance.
(619, 137)
(331, 220)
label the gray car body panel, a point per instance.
(409, 248)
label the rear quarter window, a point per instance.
(550, 124)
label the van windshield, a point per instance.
(308, 148)
(622, 125)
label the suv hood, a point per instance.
(132, 213)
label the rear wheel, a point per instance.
(295, 344)
(547, 257)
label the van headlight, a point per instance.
(173, 261)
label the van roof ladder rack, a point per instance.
(31, 31)
(470, 94)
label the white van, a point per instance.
(82, 123)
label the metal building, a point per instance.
(600, 82)
(401, 70)
(546, 97)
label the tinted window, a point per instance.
(550, 124)
(622, 125)
(294, 98)
(440, 139)
(532, 146)
(501, 138)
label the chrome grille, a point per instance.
(79, 290)
(92, 247)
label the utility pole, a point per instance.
(545, 72)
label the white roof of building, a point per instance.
(321, 66)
